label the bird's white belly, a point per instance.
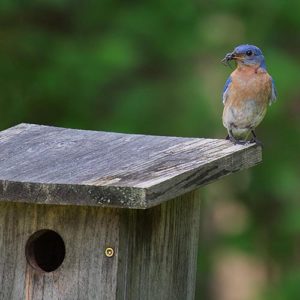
(243, 118)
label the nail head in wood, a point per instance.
(109, 252)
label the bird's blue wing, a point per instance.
(226, 88)
(273, 95)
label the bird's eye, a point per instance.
(249, 52)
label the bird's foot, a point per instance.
(240, 142)
(235, 141)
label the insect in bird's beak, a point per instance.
(228, 57)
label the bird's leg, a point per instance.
(255, 140)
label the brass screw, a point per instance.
(109, 252)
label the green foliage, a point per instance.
(154, 67)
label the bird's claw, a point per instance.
(240, 142)
(235, 141)
(257, 142)
(255, 139)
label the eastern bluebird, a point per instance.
(247, 93)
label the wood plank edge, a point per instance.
(191, 180)
(75, 194)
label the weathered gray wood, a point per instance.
(86, 273)
(158, 251)
(42, 164)
(155, 251)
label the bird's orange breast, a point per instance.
(250, 83)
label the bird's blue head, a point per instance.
(246, 55)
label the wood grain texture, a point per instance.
(155, 251)
(51, 165)
(158, 251)
(86, 273)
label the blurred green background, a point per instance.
(154, 67)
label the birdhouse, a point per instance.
(101, 215)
